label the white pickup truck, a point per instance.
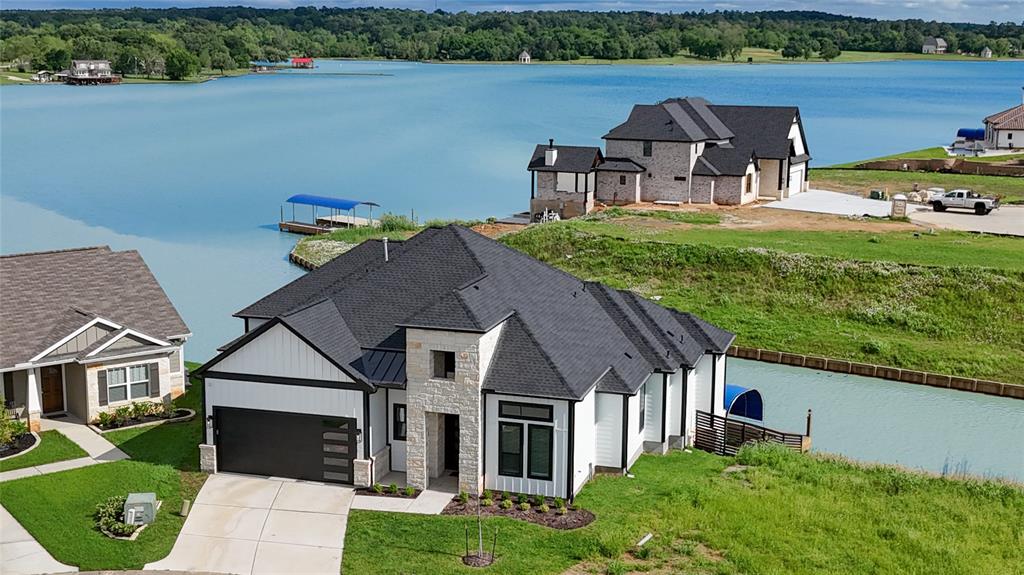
(964, 199)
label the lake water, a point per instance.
(194, 176)
(938, 430)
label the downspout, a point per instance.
(570, 493)
(366, 425)
(625, 431)
(664, 406)
(389, 415)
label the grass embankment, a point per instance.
(203, 76)
(785, 513)
(962, 320)
(53, 447)
(936, 153)
(1011, 189)
(57, 509)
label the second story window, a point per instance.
(648, 148)
(443, 364)
(622, 180)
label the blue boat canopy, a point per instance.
(743, 402)
(326, 202)
(971, 133)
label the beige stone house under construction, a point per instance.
(683, 150)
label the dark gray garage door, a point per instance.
(296, 445)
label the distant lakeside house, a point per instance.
(683, 150)
(986, 52)
(524, 57)
(450, 354)
(934, 45)
(86, 331)
(91, 72)
(302, 63)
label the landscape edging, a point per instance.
(181, 418)
(974, 385)
(20, 453)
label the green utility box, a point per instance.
(140, 508)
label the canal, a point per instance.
(876, 420)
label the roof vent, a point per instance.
(550, 154)
(385, 240)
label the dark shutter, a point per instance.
(101, 380)
(154, 380)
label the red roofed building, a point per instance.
(302, 62)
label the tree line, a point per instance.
(178, 42)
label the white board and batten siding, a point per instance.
(583, 453)
(608, 430)
(652, 416)
(675, 402)
(555, 487)
(280, 353)
(398, 448)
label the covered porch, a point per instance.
(54, 390)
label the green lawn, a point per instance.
(936, 153)
(898, 314)
(785, 514)
(53, 447)
(57, 508)
(1011, 189)
(941, 248)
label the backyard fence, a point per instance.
(724, 436)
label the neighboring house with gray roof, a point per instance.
(456, 354)
(684, 150)
(933, 45)
(84, 331)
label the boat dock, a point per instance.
(340, 214)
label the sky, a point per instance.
(981, 11)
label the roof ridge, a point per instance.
(60, 251)
(652, 324)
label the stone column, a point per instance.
(34, 398)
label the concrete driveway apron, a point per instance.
(254, 525)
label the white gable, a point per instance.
(279, 352)
(798, 141)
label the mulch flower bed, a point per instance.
(180, 414)
(20, 443)
(387, 492)
(573, 518)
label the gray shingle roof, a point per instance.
(620, 165)
(575, 159)
(560, 336)
(36, 310)
(762, 129)
(674, 120)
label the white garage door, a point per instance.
(796, 180)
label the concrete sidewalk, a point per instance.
(21, 554)
(99, 449)
(431, 501)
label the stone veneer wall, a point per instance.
(92, 384)
(701, 192)
(610, 191)
(729, 190)
(426, 397)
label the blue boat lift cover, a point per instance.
(743, 402)
(327, 202)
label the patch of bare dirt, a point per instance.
(496, 230)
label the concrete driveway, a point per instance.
(1006, 220)
(826, 202)
(253, 525)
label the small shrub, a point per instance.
(874, 240)
(167, 410)
(488, 494)
(506, 504)
(122, 415)
(109, 517)
(463, 497)
(486, 502)
(141, 409)
(393, 488)
(396, 223)
(559, 502)
(539, 500)
(543, 508)
(105, 420)
(522, 498)
(524, 506)
(506, 496)
(410, 491)
(378, 488)
(562, 510)
(10, 430)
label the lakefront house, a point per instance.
(682, 150)
(450, 354)
(1005, 130)
(85, 331)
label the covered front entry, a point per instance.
(52, 385)
(278, 444)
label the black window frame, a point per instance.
(395, 436)
(503, 404)
(648, 150)
(622, 180)
(435, 354)
(550, 429)
(502, 470)
(643, 407)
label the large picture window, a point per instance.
(510, 449)
(540, 453)
(124, 383)
(398, 421)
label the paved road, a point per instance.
(1005, 220)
